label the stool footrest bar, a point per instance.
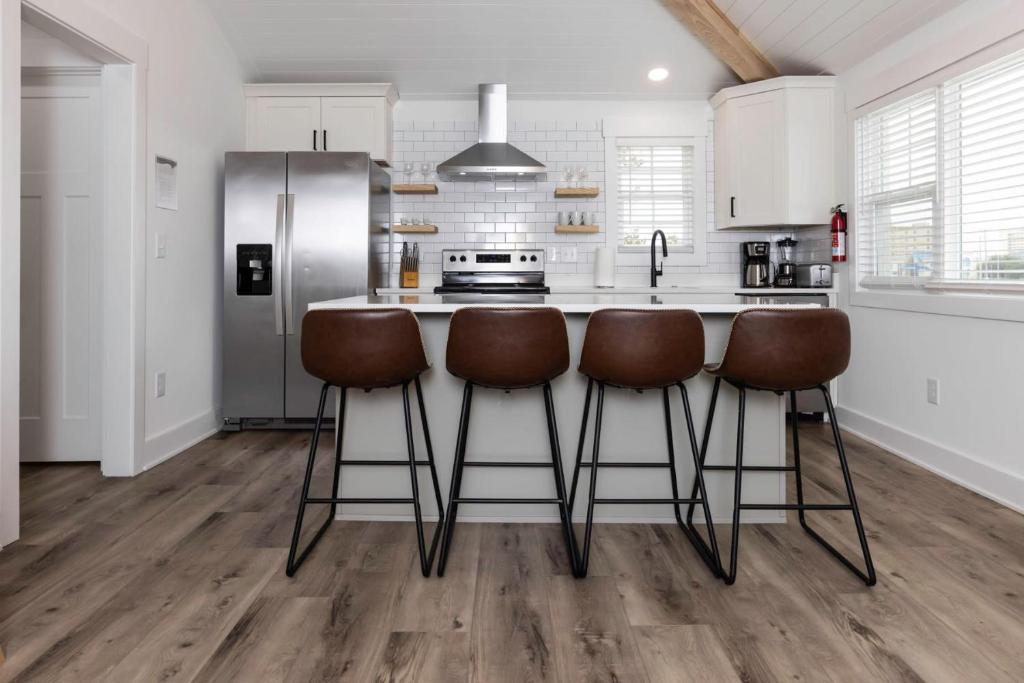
(647, 501)
(517, 501)
(360, 500)
(627, 464)
(372, 463)
(506, 463)
(795, 506)
(750, 468)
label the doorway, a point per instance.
(61, 255)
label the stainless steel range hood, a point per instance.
(492, 156)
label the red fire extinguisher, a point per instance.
(838, 233)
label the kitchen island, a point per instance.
(511, 426)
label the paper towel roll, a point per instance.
(604, 267)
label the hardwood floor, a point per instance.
(178, 575)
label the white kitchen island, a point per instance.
(511, 426)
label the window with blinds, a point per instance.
(939, 180)
(655, 191)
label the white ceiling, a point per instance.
(563, 48)
(827, 36)
(446, 47)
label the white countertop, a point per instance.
(699, 301)
(664, 289)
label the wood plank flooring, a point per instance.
(178, 575)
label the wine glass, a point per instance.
(425, 170)
(408, 168)
(581, 173)
(569, 175)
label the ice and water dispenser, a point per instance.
(254, 273)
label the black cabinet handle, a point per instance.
(325, 139)
(732, 207)
(314, 139)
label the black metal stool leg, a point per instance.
(293, 562)
(339, 431)
(708, 554)
(730, 577)
(704, 448)
(433, 477)
(584, 562)
(414, 480)
(556, 463)
(579, 447)
(456, 485)
(868, 578)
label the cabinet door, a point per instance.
(755, 153)
(284, 124)
(357, 124)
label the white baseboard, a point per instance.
(995, 484)
(170, 442)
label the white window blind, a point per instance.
(983, 173)
(655, 186)
(939, 180)
(897, 156)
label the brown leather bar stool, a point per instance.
(665, 348)
(365, 349)
(507, 348)
(785, 352)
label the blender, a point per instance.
(785, 274)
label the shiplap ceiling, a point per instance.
(445, 47)
(827, 36)
(548, 47)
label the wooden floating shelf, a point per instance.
(578, 229)
(577, 191)
(423, 188)
(421, 229)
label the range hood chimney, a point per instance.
(492, 156)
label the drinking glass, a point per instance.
(569, 177)
(408, 168)
(581, 173)
(425, 170)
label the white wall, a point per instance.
(195, 112)
(39, 49)
(975, 435)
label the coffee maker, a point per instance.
(755, 264)
(785, 272)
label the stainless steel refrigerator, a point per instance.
(298, 227)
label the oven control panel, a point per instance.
(492, 261)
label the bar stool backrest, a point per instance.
(642, 349)
(508, 348)
(363, 348)
(783, 350)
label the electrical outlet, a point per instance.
(570, 254)
(161, 384)
(552, 254)
(161, 245)
(933, 391)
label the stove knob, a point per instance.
(533, 258)
(452, 259)
(522, 258)
(462, 258)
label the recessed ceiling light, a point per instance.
(658, 73)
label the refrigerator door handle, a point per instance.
(289, 230)
(278, 261)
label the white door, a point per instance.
(356, 124)
(60, 272)
(286, 124)
(757, 159)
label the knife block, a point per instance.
(410, 279)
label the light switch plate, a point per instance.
(161, 245)
(570, 254)
(552, 255)
(161, 384)
(933, 391)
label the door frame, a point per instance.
(123, 93)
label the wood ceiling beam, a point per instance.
(720, 35)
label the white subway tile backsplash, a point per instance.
(473, 214)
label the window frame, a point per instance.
(873, 290)
(644, 133)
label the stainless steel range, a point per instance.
(493, 272)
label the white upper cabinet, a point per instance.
(774, 152)
(343, 117)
